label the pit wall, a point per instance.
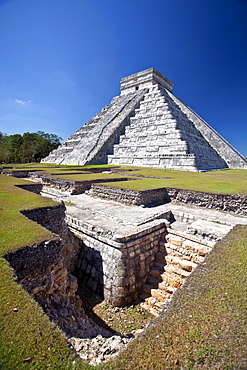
(52, 218)
(116, 266)
(119, 268)
(133, 197)
(45, 271)
(235, 203)
(41, 270)
(72, 187)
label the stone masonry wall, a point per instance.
(127, 196)
(235, 203)
(70, 186)
(117, 265)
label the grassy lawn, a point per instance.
(27, 338)
(220, 181)
(88, 176)
(205, 325)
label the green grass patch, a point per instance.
(221, 181)
(28, 340)
(88, 176)
(205, 325)
(16, 229)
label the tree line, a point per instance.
(29, 147)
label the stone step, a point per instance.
(152, 280)
(160, 295)
(145, 305)
(159, 265)
(172, 280)
(155, 272)
(144, 295)
(166, 288)
(147, 288)
(176, 270)
(151, 301)
(160, 257)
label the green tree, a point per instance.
(29, 147)
(4, 148)
(15, 143)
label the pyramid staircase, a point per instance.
(161, 135)
(92, 142)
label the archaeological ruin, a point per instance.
(147, 125)
(127, 246)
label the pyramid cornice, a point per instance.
(144, 79)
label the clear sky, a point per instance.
(61, 60)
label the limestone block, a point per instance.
(176, 270)
(187, 265)
(209, 230)
(175, 240)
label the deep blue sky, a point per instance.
(61, 60)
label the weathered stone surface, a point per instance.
(101, 348)
(208, 230)
(127, 196)
(40, 269)
(91, 143)
(149, 127)
(235, 203)
(66, 186)
(113, 269)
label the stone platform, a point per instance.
(126, 249)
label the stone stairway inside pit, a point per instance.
(159, 287)
(174, 262)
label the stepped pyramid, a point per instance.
(146, 125)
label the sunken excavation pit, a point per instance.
(139, 253)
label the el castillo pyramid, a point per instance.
(146, 125)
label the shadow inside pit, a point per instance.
(89, 300)
(34, 188)
(89, 274)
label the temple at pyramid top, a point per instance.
(144, 79)
(147, 125)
